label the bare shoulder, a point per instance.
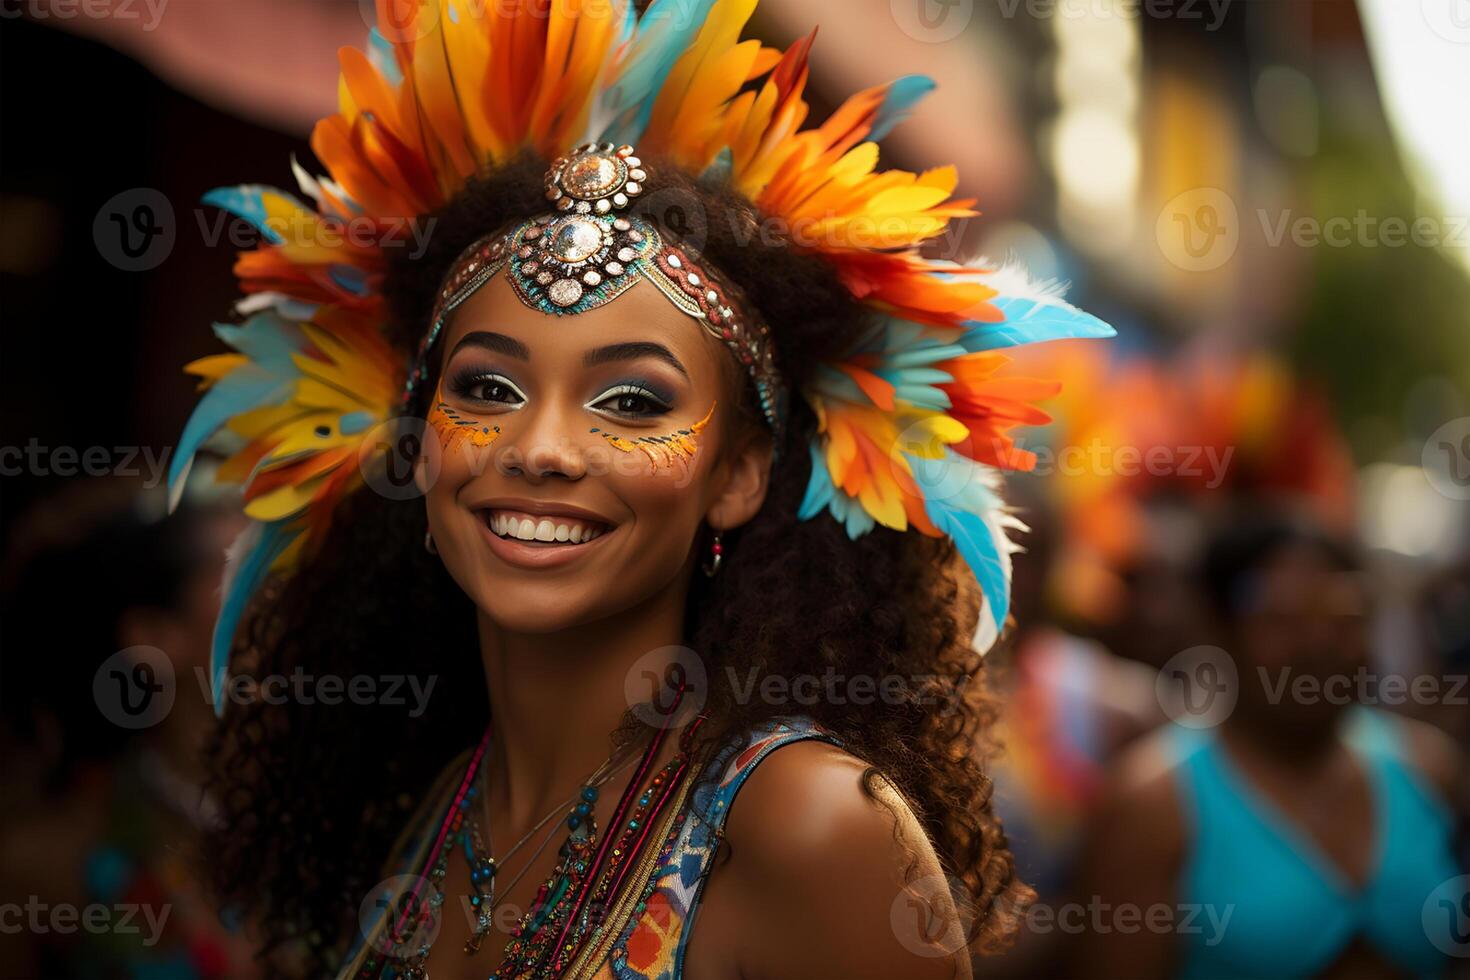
(837, 882)
(1142, 791)
(1438, 758)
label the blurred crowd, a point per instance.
(1235, 700)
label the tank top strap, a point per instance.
(735, 763)
(652, 944)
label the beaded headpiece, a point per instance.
(912, 422)
(591, 253)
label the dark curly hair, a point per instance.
(313, 796)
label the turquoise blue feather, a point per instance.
(1031, 321)
(903, 94)
(664, 33)
(967, 516)
(265, 543)
(246, 201)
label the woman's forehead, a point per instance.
(639, 314)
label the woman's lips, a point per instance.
(529, 540)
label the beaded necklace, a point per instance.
(572, 904)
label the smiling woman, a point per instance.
(623, 526)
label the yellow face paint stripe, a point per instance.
(663, 450)
(453, 428)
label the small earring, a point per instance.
(717, 550)
(429, 544)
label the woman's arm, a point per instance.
(815, 882)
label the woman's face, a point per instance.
(570, 460)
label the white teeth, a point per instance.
(543, 529)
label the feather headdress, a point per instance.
(914, 421)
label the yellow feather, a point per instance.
(284, 502)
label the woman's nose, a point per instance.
(546, 445)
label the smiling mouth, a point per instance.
(541, 530)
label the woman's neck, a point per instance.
(555, 698)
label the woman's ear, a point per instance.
(747, 476)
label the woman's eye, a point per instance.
(490, 389)
(632, 401)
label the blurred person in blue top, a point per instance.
(1304, 835)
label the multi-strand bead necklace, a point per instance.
(571, 905)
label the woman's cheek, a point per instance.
(670, 455)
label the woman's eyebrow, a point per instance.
(629, 351)
(496, 342)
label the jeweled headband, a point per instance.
(593, 251)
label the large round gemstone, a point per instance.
(576, 240)
(590, 176)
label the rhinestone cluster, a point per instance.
(573, 262)
(596, 178)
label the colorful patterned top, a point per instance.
(650, 944)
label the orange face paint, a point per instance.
(454, 429)
(663, 450)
